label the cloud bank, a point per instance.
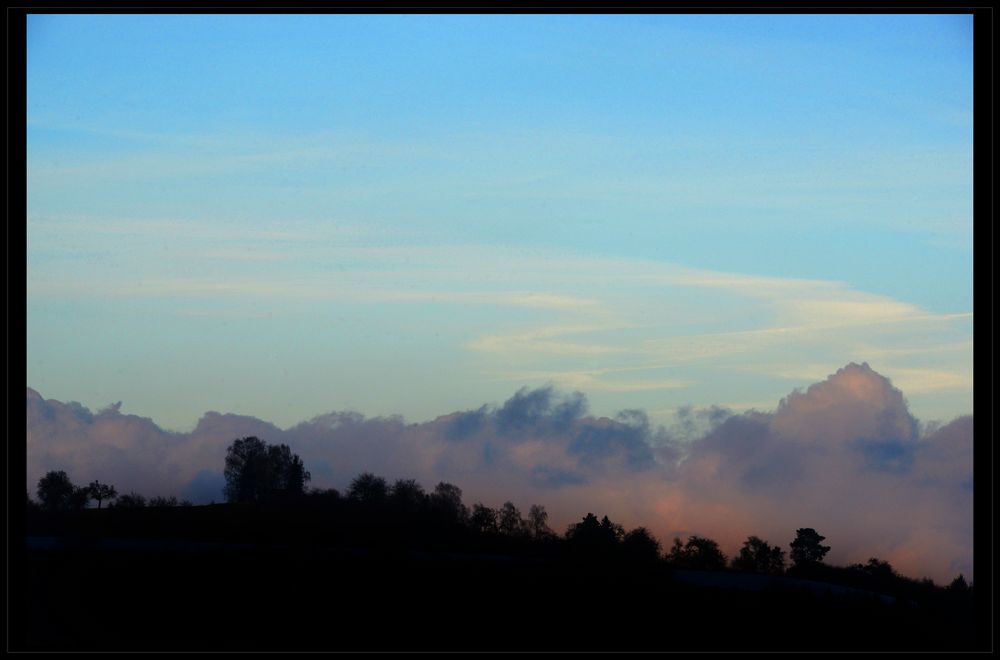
(844, 456)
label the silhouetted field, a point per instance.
(331, 574)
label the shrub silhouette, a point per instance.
(878, 568)
(698, 553)
(129, 501)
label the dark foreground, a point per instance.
(247, 587)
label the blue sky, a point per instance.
(288, 215)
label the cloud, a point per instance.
(540, 340)
(593, 379)
(525, 316)
(529, 409)
(844, 456)
(206, 486)
(854, 403)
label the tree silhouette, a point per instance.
(245, 471)
(367, 487)
(641, 546)
(759, 556)
(130, 501)
(806, 548)
(483, 518)
(407, 494)
(101, 492)
(80, 498)
(538, 522)
(611, 530)
(590, 533)
(160, 501)
(287, 474)
(256, 470)
(585, 530)
(698, 553)
(878, 569)
(57, 493)
(509, 520)
(447, 501)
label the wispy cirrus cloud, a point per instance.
(219, 232)
(596, 380)
(523, 311)
(545, 339)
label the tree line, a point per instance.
(256, 472)
(56, 492)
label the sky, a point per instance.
(287, 215)
(649, 238)
(283, 215)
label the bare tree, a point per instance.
(509, 519)
(101, 492)
(538, 519)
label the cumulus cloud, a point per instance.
(844, 456)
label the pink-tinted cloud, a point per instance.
(844, 456)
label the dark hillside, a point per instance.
(344, 575)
